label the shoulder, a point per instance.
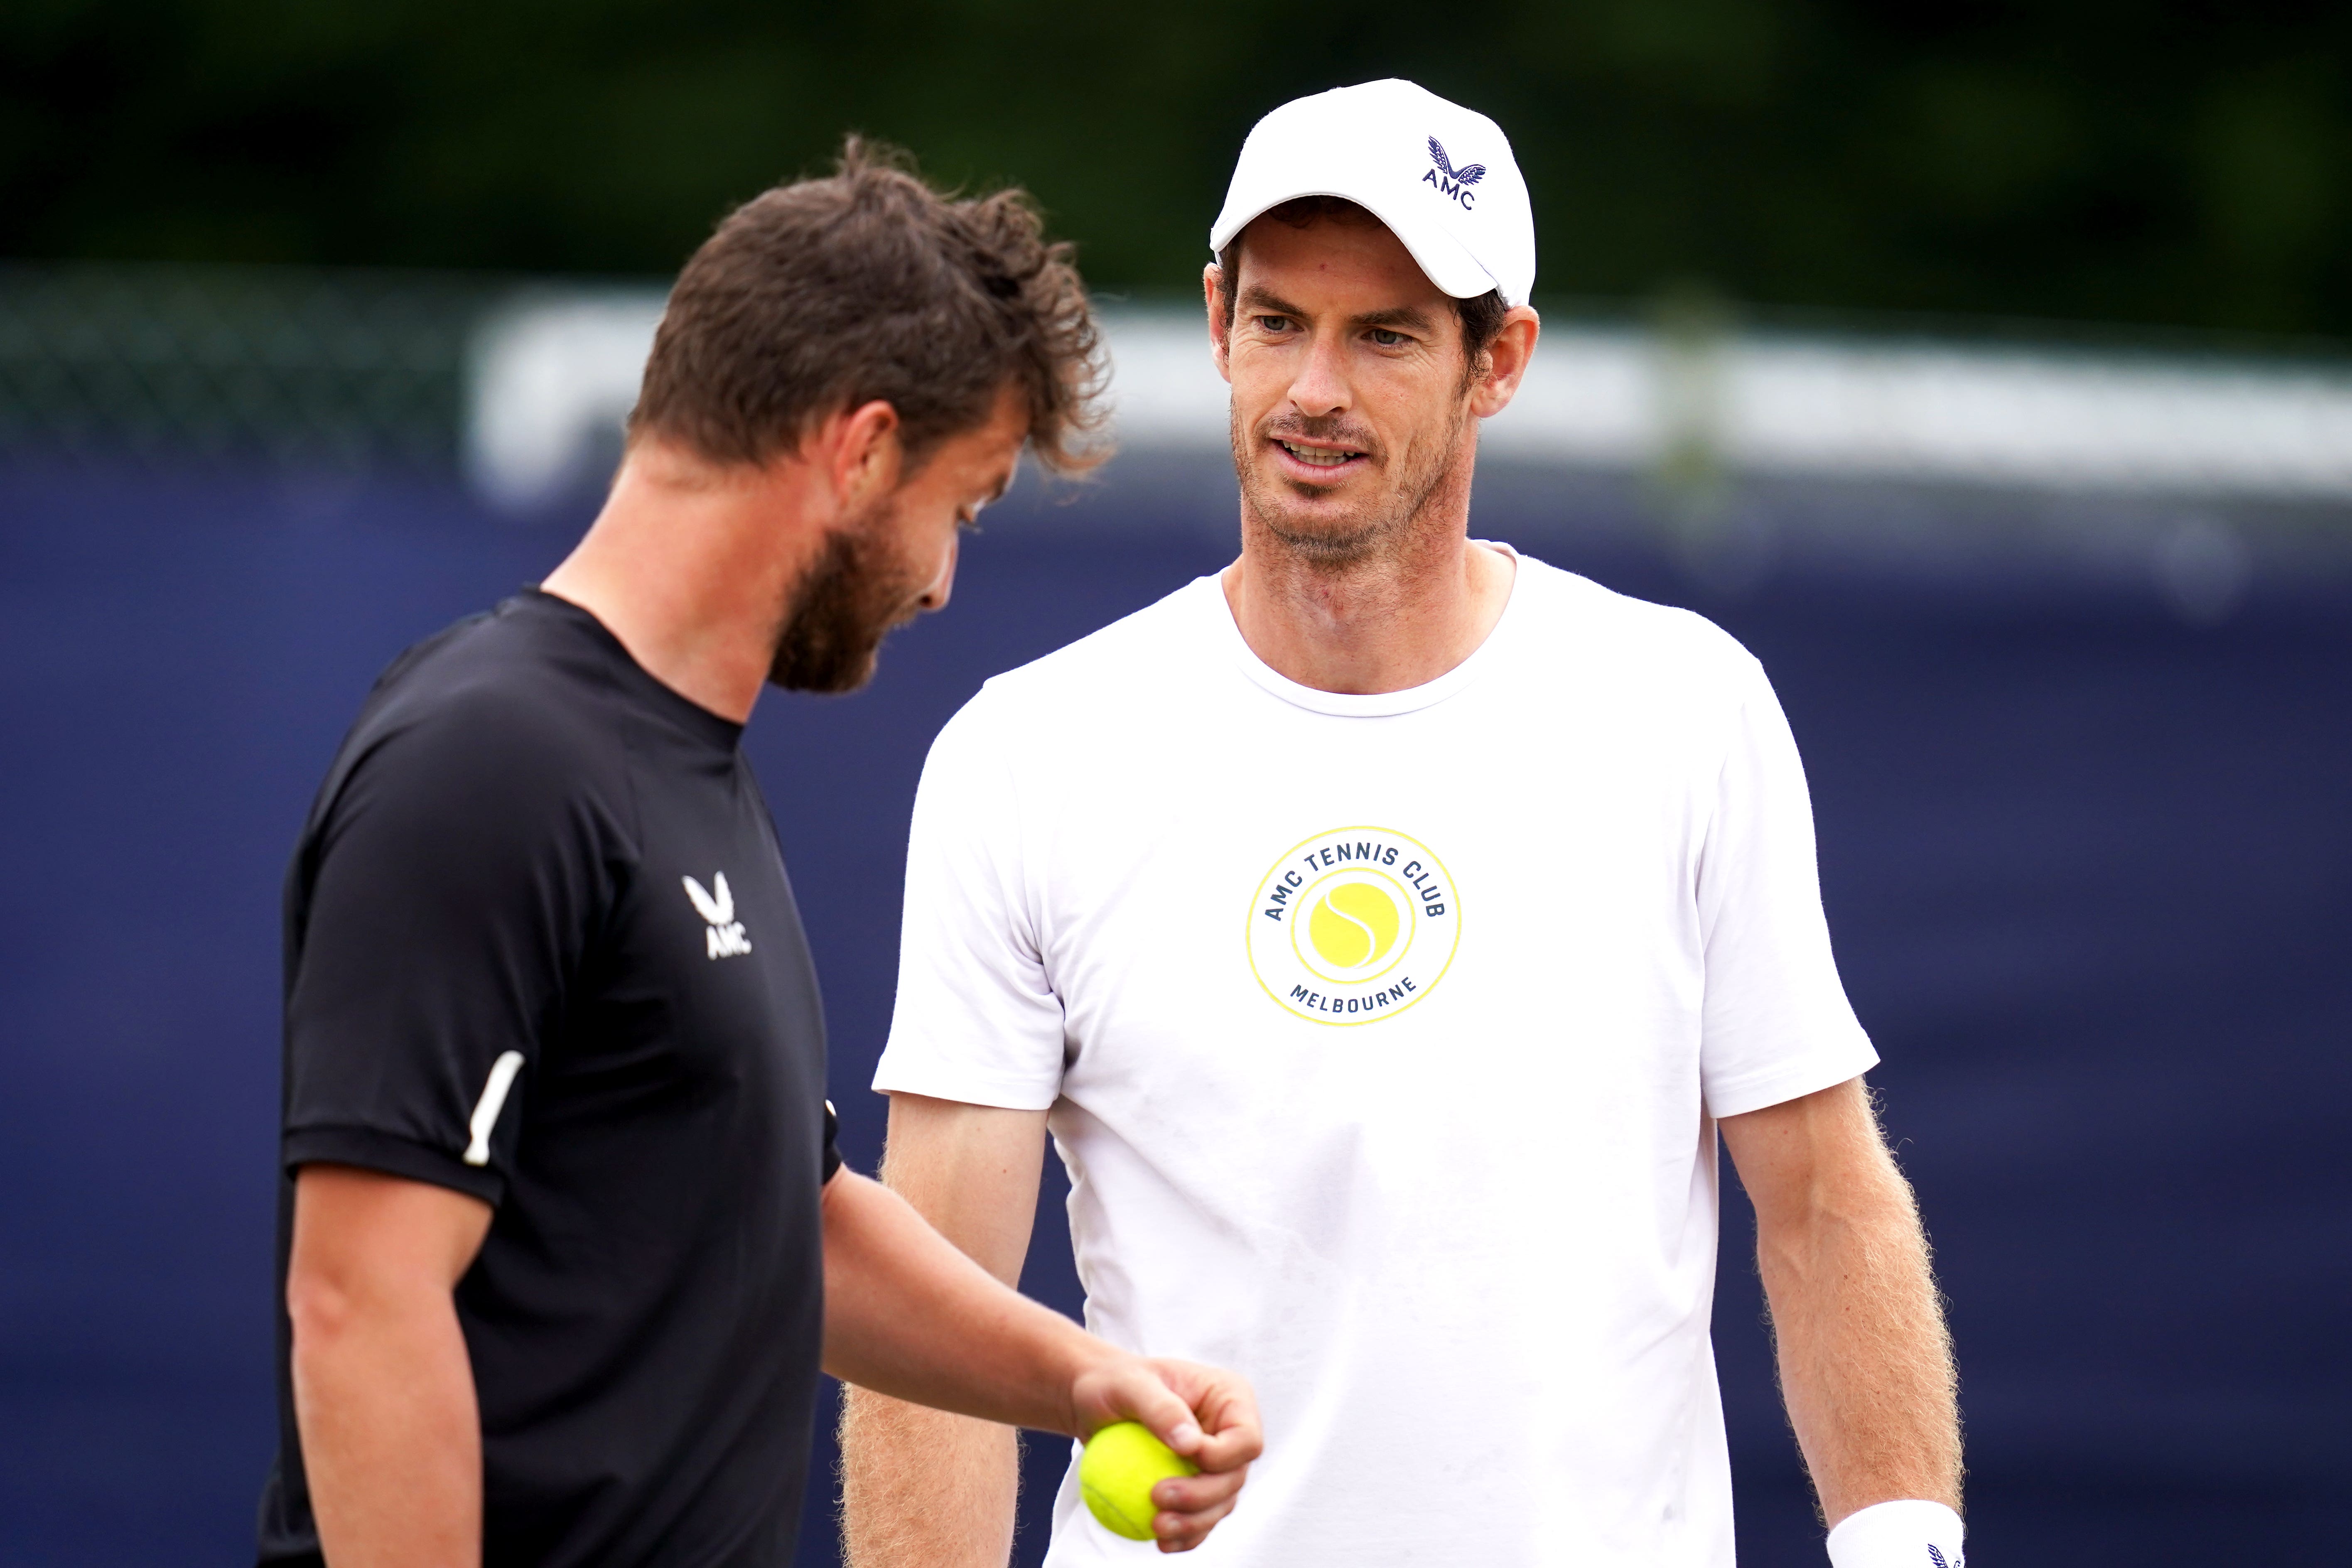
(1142, 648)
(1121, 669)
(1658, 646)
(483, 717)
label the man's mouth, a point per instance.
(1319, 457)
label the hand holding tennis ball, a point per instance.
(1172, 1443)
(1121, 1465)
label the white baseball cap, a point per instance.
(1439, 175)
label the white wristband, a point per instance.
(1910, 1534)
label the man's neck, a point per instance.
(682, 567)
(1389, 622)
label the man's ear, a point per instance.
(1507, 363)
(860, 451)
(1213, 291)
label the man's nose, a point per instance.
(1320, 387)
(934, 597)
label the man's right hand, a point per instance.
(907, 1314)
(1205, 1414)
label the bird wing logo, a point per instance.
(718, 911)
(1469, 174)
(724, 938)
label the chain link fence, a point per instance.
(519, 386)
(346, 369)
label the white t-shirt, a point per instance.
(1382, 1037)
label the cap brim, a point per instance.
(1443, 258)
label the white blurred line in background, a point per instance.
(552, 376)
(549, 379)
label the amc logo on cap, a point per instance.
(1450, 181)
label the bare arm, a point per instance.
(909, 1315)
(1865, 1364)
(383, 1393)
(920, 1488)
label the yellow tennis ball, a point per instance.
(1120, 1465)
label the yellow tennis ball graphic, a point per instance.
(1353, 925)
(1120, 1465)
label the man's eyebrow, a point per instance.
(1256, 300)
(1411, 317)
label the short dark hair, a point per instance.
(1482, 314)
(869, 284)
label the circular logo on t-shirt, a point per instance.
(1353, 925)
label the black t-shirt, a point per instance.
(540, 948)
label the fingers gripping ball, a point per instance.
(1121, 1465)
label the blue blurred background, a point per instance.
(2062, 615)
(2089, 868)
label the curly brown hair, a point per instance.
(869, 284)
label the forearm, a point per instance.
(909, 1316)
(922, 1489)
(383, 1394)
(1865, 1363)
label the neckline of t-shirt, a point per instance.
(701, 721)
(1372, 704)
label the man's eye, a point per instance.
(1273, 323)
(1387, 339)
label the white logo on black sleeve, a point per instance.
(486, 1109)
(725, 937)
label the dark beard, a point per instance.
(850, 597)
(1370, 530)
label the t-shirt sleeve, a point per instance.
(977, 1018)
(1776, 1022)
(453, 880)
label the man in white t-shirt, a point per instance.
(1384, 928)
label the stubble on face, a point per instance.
(853, 594)
(1317, 529)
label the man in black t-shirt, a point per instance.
(563, 1240)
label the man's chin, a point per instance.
(1321, 535)
(831, 680)
(1310, 494)
(825, 669)
(1310, 517)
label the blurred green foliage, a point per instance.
(2186, 164)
